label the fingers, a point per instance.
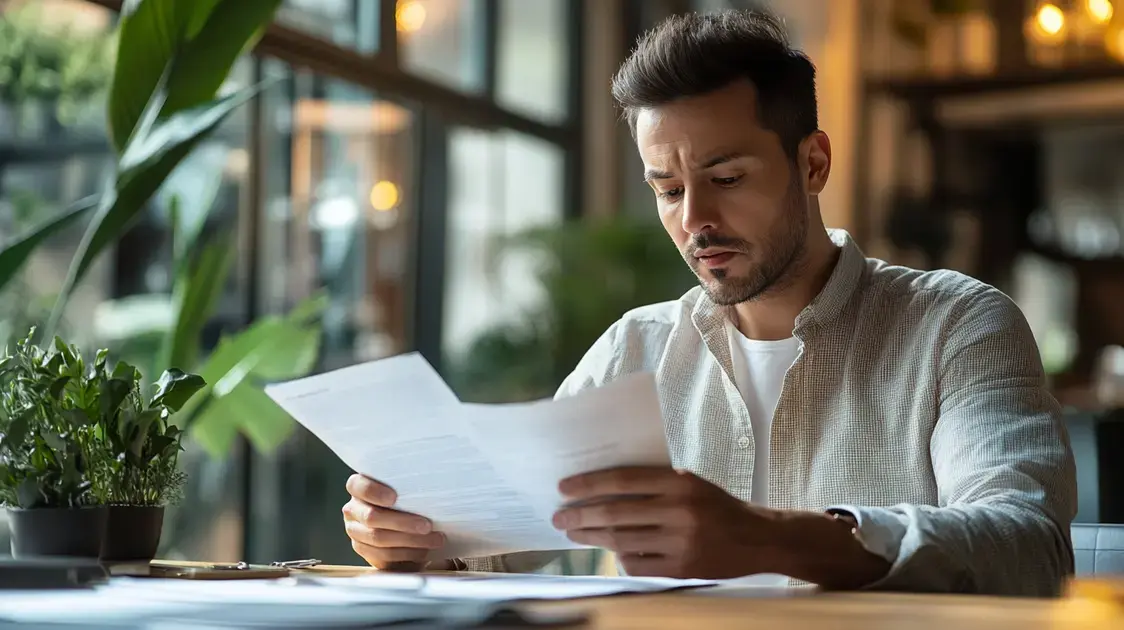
(395, 557)
(622, 513)
(375, 517)
(648, 540)
(624, 481)
(370, 491)
(389, 539)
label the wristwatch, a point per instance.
(875, 546)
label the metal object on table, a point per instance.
(297, 564)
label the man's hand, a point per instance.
(384, 537)
(669, 523)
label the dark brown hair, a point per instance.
(693, 54)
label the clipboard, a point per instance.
(200, 571)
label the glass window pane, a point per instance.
(532, 57)
(441, 41)
(210, 185)
(500, 185)
(338, 211)
(344, 22)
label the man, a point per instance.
(831, 417)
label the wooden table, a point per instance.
(848, 612)
(1088, 605)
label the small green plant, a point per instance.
(73, 433)
(46, 441)
(144, 446)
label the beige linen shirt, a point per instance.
(918, 401)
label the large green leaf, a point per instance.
(262, 341)
(248, 409)
(16, 253)
(143, 168)
(189, 42)
(197, 291)
(206, 60)
(201, 10)
(292, 359)
(148, 35)
(214, 432)
(272, 346)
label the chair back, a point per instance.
(1098, 549)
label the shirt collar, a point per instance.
(710, 318)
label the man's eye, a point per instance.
(671, 193)
(727, 181)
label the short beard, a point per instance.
(784, 253)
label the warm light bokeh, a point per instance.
(384, 196)
(1049, 20)
(1100, 10)
(409, 15)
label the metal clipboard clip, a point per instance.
(296, 564)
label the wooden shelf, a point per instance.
(919, 88)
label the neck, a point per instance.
(773, 316)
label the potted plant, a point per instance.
(140, 473)
(46, 446)
(87, 461)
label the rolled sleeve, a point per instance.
(881, 530)
(1003, 466)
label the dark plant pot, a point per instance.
(75, 532)
(132, 533)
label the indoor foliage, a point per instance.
(76, 433)
(592, 272)
(164, 101)
(61, 67)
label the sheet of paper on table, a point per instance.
(487, 475)
(390, 588)
(124, 601)
(313, 601)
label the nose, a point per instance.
(698, 211)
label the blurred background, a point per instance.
(452, 174)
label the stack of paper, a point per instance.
(487, 475)
(305, 600)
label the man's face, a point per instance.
(728, 195)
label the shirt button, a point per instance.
(743, 442)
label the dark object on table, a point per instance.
(49, 573)
(71, 532)
(132, 533)
(195, 571)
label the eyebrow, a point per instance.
(650, 174)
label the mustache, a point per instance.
(705, 240)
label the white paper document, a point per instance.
(487, 475)
(514, 587)
(384, 588)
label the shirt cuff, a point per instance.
(880, 530)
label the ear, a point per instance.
(816, 150)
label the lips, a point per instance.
(716, 260)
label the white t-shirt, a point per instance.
(759, 370)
